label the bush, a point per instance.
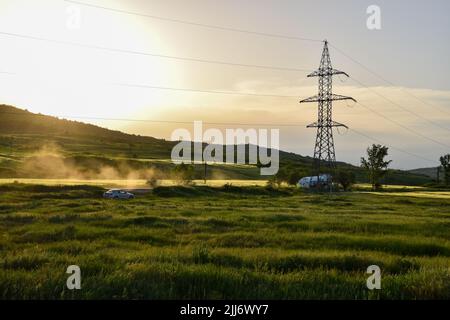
(345, 178)
(289, 174)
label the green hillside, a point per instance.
(40, 146)
(430, 172)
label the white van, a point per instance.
(311, 182)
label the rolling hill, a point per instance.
(430, 172)
(40, 146)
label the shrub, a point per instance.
(345, 178)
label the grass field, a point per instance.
(223, 242)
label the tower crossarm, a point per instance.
(322, 125)
(326, 72)
(332, 97)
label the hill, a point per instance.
(40, 146)
(429, 172)
(17, 121)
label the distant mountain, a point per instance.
(429, 172)
(86, 146)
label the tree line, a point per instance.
(374, 164)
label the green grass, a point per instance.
(222, 243)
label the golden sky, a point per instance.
(72, 81)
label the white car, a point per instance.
(118, 194)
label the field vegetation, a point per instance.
(225, 242)
(234, 237)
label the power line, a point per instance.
(265, 34)
(261, 34)
(146, 86)
(387, 81)
(265, 95)
(212, 62)
(211, 123)
(402, 126)
(425, 102)
(222, 62)
(400, 106)
(392, 147)
(269, 95)
(195, 90)
(142, 53)
(156, 121)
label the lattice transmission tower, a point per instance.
(324, 154)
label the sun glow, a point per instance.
(62, 79)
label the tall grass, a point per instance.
(221, 243)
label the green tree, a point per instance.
(445, 163)
(289, 174)
(279, 177)
(375, 164)
(346, 178)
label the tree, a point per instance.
(445, 163)
(294, 176)
(375, 164)
(346, 178)
(280, 177)
(289, 174)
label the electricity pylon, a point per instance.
(324, 149)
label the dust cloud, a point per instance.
(50, 162)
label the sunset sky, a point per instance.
(410, 51)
